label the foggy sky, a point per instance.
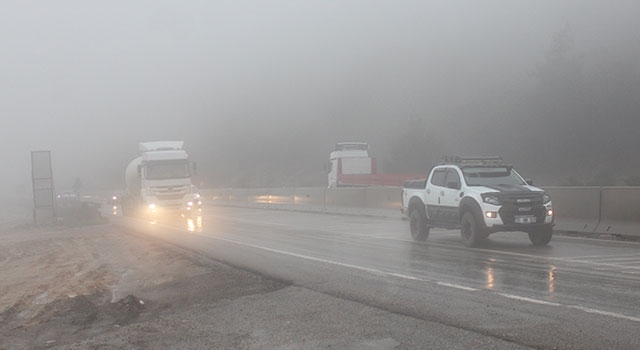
(261, 89)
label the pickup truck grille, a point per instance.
(521, 204)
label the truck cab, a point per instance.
(479, 196)
(349, 158)
(161, 178)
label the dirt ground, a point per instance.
(61, 285)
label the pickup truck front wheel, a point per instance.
(418, 226)
(470, 231)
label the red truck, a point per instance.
(350, 165)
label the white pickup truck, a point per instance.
(479, 196)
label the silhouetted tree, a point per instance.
(78, 186)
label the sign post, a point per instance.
(44, 209)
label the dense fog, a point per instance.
(261, 91)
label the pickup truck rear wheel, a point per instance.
(470, 231)
(418, 225)
(541, 236)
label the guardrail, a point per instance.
(576, 209)
(587, 210)
(372, 201)
(619, 211)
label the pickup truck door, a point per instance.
(450, 198)
(435, 186)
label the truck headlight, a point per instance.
(190, 204)
(152, 206)
(489, 199)
(546, 198)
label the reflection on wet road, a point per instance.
(194, 225)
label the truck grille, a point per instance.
(170, 193)
(521, 204)
(169, 197)
(171, 189)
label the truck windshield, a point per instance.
(167, 170)
(491, 177)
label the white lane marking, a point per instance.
(576, 307)
(604, 313)
(413, 278)
(601, 241)
(599, 264)
(616, 260)
(530, 300)
(605, 256)
(457, 286)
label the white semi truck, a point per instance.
(159, 180)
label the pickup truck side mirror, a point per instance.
(453, 185)
(529, 182)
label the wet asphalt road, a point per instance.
(574, 294)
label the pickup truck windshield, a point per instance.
(491, 177)
(167, 170)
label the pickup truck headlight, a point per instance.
(490, 199)
(546, 198)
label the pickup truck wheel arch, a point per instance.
(418, 226)
(418, 223)
(470, 205)
(471, 232)
(415, 204)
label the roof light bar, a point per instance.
(485, 160)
